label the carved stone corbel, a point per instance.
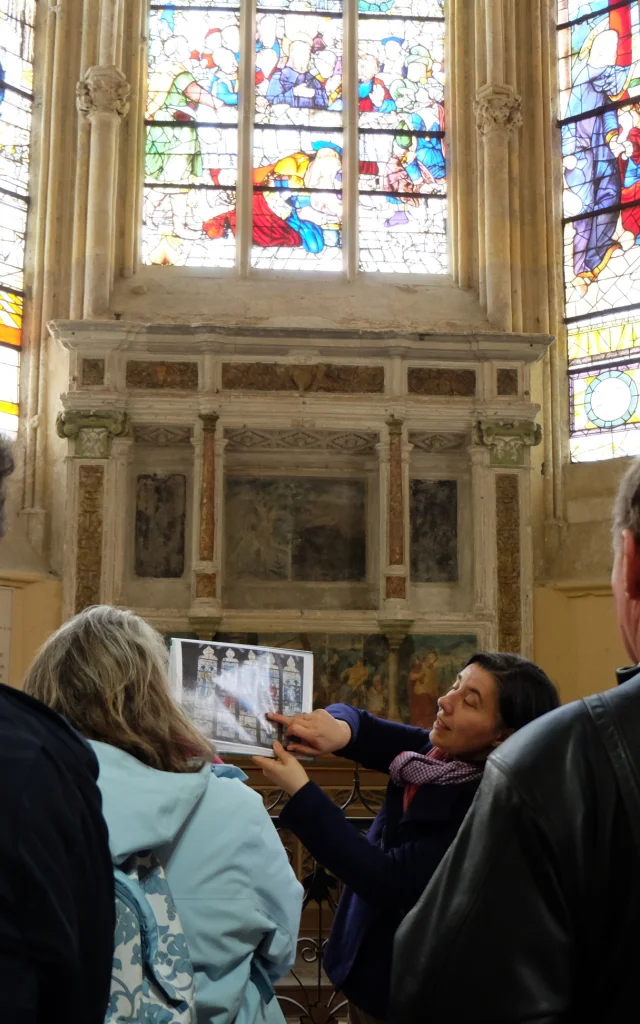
(93, 430)
(507, 440)
(497, 107)
(103, 89)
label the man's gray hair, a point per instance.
(626, 508)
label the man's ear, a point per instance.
(503, 735)
(631, 565)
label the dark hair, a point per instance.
(6, 469)
(524, 691)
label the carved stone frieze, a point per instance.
(437, 442)
(320, 377)
(507, 441)
(301, 439)
(508, 563)
(89, 536)
(93, 430)
(92, 373)
(442, 381)
(497, 108)
(153, 374)
(163, 436)
(103, 89)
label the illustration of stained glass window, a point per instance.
(191, 163)
(16, 98)
(298, 139)
(599, 45)
(402, 214)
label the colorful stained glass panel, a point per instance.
(9, 390)
(403, 8)
(13, 225)
(321, 6)
(189, 227)
(10, 319)
(191, 136)
(401, 74)
(398, 236)
(605, 412)
(403, 163)
(15, 126)
(599, 338)
(16, 43)
(298, 70)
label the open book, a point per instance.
(228, 689)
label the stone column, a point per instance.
(395, 615)
(91, 435)
(103, 98)
(483, 514)
(209, 479)
(508, 447)
(498, 115)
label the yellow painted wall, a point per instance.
(37, 612)
(576, 638)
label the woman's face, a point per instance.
(468, 714)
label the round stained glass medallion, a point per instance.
(611, 398)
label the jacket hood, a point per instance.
(145, 808)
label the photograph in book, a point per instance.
(228, 690)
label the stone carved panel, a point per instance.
(441, 381)
(162, 436)
(507, 441)
(509, 562)
(507, 382)
(395, 513)
(103, 89)
(497, 108)
(92, 375)
(89, 536)
(437, 442)
(93, 443)
(160, 525)
(321, 377)
(346, 441)
(207, 539)
(295, 529)
(171, 376)
(434, 531)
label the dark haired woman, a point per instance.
(433, 779)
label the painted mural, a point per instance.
(434, 531)
(296, 529)
(353, 668)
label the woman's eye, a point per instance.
(469, 703)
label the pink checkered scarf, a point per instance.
(413, 769)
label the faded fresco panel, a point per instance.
(160, 525)
(434, 531)
(427, 668)
(296, 529)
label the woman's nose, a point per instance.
(444, 704)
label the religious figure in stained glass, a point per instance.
(600, 125)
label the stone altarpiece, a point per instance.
(154, 395)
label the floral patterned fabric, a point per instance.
(152, 978)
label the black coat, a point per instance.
(533, 914)
(385, 871)
(56, 876)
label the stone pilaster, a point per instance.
(206, 612)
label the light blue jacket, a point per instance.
(237, 897)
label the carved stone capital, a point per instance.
(395, 426)
(103, 89)
(497, 107)
(507, 441)
(93, 431)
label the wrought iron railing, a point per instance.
(306, 994)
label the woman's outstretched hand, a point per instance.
(315, 733)
(283, 770)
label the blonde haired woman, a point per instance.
(239, 902)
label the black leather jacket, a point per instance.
(534, 913)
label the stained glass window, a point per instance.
(402, 216)
(600, 125)
(16, 97)
(292, 124)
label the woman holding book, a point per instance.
(433, 779)
(237, 898)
